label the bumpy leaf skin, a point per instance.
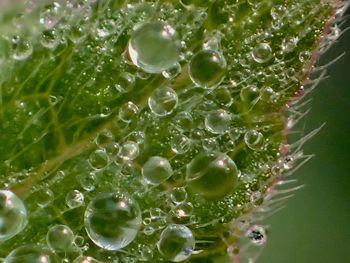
(75, 115)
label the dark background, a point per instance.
(315, 225)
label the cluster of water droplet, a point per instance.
(138, 131)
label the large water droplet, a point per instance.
(212, 175)
(13, 215)
(156, 170)
(207, 68)
(163, 101)
(218, 121)
(112, 220)
(154, 47)
(60, 238)
(176, 243)
(31, 254)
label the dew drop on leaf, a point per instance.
(112, 220)
(207, 68)
(176, 243)
(13, 215)
(156, 170)
(60, 238)
(154, 47)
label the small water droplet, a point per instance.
(129, 151)
(45, 197)
(128, 111)
(178, 195)
(217, 121)
(22, 49)
(156, 170)
(60, 238)
(163, 101)
(74, 199)
(98, 159)
(254, 139)
(50, 38)
(126, 82)
(180, 143)
(176, 243)
(262, 53)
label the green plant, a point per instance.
(150, 130)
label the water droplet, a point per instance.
(254, 139)
(45, 197)
(146, 254)
(60, 238)
(13, 215)
(79, 241)
(212, 175)
(76, 33)
(88, 181)
(176, 243)
(148, 230)
(128, 111)
(183, 210)
(50, 38)
(178, 195)
(22, 49)
(257, 234)
(209, 144)
(249, 93)
(112, 220)
(180, 143)
(163, 101)
(172, 72)
(289, 44)
(156, 170)
(50, 15)
(83, 259)
(126, 82)
(129, 151)
(262, 53)
(154, 47)
(98, 159)
(105, 137)
(74, 199)
(207, 68)
(183, 121)
(30, 254)
(218, 121)
(304, 56)
(105, 28)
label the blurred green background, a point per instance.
(315, 225)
